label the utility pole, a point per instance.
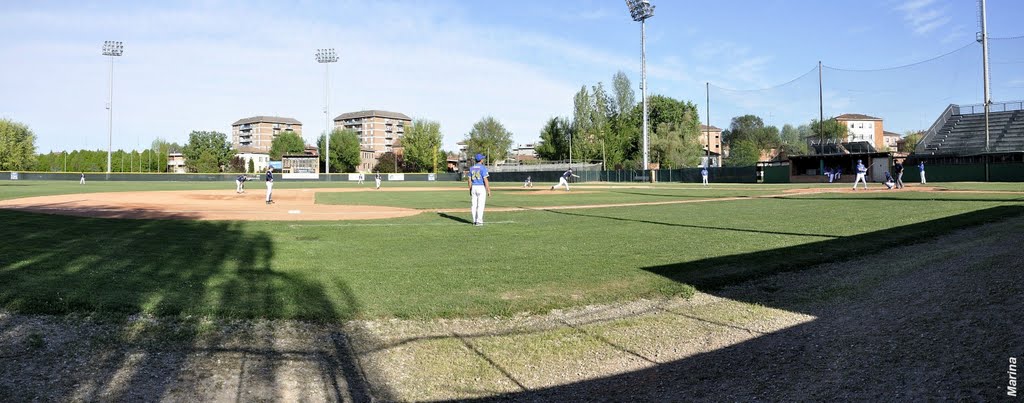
(111, 48)
(983, 38)
(326, 57)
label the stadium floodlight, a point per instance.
(326, 57)
(641, 10)
(111, 48)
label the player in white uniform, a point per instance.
(861, 172)
(270, 184)
(479, 189)
(376, 178)
(82, 180)
(704, 175)
(240, 184)
(564, 180)
(528, 183)
(360, 178)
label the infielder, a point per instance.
(270, 184)
(861, 172)
(240, 183)
(479, 189)
(376, 178)
(528, 183)
(564, 180)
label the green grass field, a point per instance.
(437, 265)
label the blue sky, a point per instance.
(200, 65)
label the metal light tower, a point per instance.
(327, 56)
(641, 10)
(111, 48)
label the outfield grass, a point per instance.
(436, 265)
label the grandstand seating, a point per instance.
(965, 134)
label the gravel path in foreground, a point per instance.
(930, 321)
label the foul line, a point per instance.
(393, 224)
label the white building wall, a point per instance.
(860, 130)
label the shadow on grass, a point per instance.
(891, 339)
(121, 271)
(843, 197)
(454, 218)
(570, 213)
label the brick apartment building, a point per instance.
(255, 134)
(863, 128)
(379, 132)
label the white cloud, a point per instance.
(925, 16)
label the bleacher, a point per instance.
(964, 134)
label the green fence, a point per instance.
(168, 177)
(776, 174)
(685, 175)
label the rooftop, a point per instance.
(372, 113)
(856, 116)
(267, 119)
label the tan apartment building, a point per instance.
(863, 128)
(378, 130)
(255, 134)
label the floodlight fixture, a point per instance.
(640, 9)
(326, 56)
(111, 48)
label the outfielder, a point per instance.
(861, 172)
(479, 189)
(360, 178)
(921, 167)
(704, 175)
(82, 180)
(376, 178)
(564, 180)
(270, 184)
(528, 183)
(240, 183)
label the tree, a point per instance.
(830, 130)
(422, 142)
(388, 162)
(345, 150)
(489, 137)
(583, 133)
(910, 140)
(286, 143)
(742, 127)
(554, 139)
(675, 146)
(625, 98)
(212, 146)
(792, 142)
(743, 153)
(17, 146)
(251, 167)
(237, 164)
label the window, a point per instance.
(851, 125)
(870, 125)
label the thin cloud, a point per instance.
(924, 16)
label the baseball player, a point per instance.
(479, 189)
(81, 181)
(564, 180)
(921, 167)
(704, 175)
(240, 183)
(270, 184)
(360, 178)
(528, 183)
(376, 178)
(861, 172)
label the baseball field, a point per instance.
(329, 254)
(332, 253)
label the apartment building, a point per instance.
(863, 128)
(255, 134)
(378, 130)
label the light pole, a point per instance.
(111, 48)
(327, 56)
(641, 10)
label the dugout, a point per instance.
(811, 168)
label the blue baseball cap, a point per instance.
(479, 157)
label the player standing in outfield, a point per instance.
(479, 189)
(240, 183)
(528, 183)
(376, 178)
(704, 175)
(898, 170)
(564, 180)
(82, 180)
(921, 167)
(270, 184)
(861, 172)
(360, 178)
